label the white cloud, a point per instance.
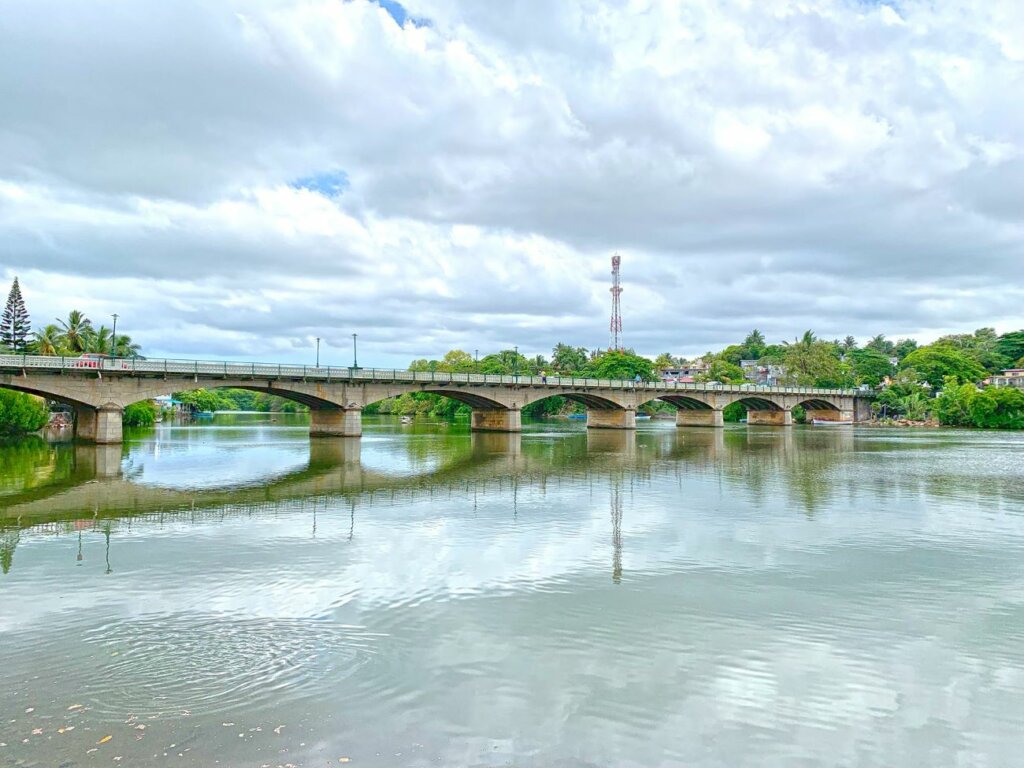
(846, 166)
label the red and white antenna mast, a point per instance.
(616, 289)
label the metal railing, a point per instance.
(23, 364)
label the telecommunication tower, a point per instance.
(616, 289)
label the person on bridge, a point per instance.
(637, 379)
(543, 377)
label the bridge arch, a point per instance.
(681, 402)
(48, 393)
(591, 400)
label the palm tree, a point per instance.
(125, 347)
(76, 331)
(47, 341)
(98, 340)
(849, 344)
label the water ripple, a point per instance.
(211, 663)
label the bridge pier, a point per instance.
(496, 420)
(829, 414)
(602, 418)
(710, 417)
(335, 422)
(99, 425)
(780, 418)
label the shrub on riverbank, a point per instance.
(964, 405)
(21, 413)
(140, 414)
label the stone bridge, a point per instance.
(99, 390)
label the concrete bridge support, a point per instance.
(598, 418)
(699, 418)
(780, 418)
(335, 422)
(99, 425)
(828, 414)
(496, 420)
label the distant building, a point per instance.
(756, 373)
(684, 374)
(1011, 377)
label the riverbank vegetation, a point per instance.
(565, 360)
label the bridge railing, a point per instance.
(225, 369)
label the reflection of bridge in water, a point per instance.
(101, 491)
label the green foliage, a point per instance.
(936, 362)
(724, 371)
(15, 325)
(952, 406)
(568, 360)
(905, 397)
(964, 405)
(141, 414)
(870, 366)
(733, 412)
(812, 362)
(904, 347)
(206, 400)
(615, 364)
(1011, 346)
(982, 346)
(21, 413)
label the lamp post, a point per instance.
(113, 338)
(317, 351)
(515, 362)
(476, 355)
(355, 358)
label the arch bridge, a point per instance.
(99, 391)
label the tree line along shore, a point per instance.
(947, 382)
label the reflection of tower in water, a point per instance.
(616, 506)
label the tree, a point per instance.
(849, 344)
(15, 326)
(722, 370)
(567, 359)
(880, 344)
(21, 413)
(47, 341)
(904, 347)
(810, 362)
(1011, 345)
(870, 366)
(664, 361)
(981, 346)
(76, 331)
(457, 361)
(141, 414)
(937, 361)
(754, 345)
(614, 364)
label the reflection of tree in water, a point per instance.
(8, 541)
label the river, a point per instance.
(235, 594)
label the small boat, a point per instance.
(641, 416)
(576, 416)
(826, 423)
(406, 420)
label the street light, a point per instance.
(113, 338)
(515, 362)
(355, 359)
(317, 351)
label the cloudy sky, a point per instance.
(237, 178)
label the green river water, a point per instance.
(233, 593)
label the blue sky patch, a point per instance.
(397, 12)
(328, 184)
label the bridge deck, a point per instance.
(164, 368)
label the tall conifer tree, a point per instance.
(15, 325)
